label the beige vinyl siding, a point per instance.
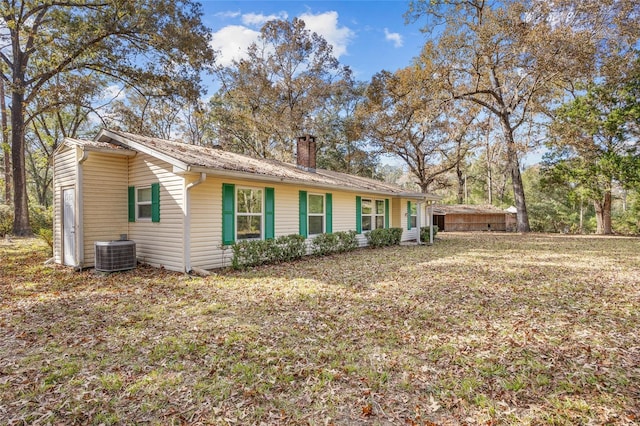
(206, 216)
(64, 170)
(158, 244)
(206, 224)
(104, 179)
(396, 213)
(344, 211)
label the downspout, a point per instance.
(186, 261)
(80, 210)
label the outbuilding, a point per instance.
(185, 205)
(466, 217)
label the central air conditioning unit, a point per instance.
(112, 256)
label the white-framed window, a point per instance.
(373, 214)
(249, 209)
(413, 215)
(143, 203)
(316, 214)
(367, 209)
(378, 214)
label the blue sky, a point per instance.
(368, 36)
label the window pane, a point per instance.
(144, 211)
(413, 208)
(379, 206)
(144, 194)
(366, 223)
(316, 204)
(316, 225)
(366, 207)
(413, 221)
(249, 227)
(249, 200)
(379, 222)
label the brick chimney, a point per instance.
(306, 155)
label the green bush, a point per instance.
(40, 217)
(46, 235)
(337, 242)
(6, 220)
(257, 252)
(290, 247)
(384, 237)
(424, 233)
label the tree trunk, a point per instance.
(21, 225)
(460, 185)
(513, 165)
(5, 147)
(603, 214)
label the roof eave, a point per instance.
(301, 182)
(106, 135)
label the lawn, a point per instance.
(478, 329)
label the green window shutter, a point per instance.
(329, 213)
(269, 214)
(359, 214)
(409, 215)
(228, 213)
(155, 202)
(303, 214)
(386, 213)
(132, 204)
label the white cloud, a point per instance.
(258, 19)
(231, 42)
(227, 14)
(326, 25)
(396, 38)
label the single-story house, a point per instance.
(185, 205)
(466, 217)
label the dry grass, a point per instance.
(477, 329)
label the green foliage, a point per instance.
(6, 219)
(554, 204)
(627, 221)
(41, 218)
(258, 252)
(337, 242)
(424, 233)
(46, 235)
(384, 237)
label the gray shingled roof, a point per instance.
(200, 158)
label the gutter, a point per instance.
(186, 237)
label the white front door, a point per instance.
(69, 227)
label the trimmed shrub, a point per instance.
(337, 242)
(424, 233)
(290, 247)
(258, 252)
(384, 237)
